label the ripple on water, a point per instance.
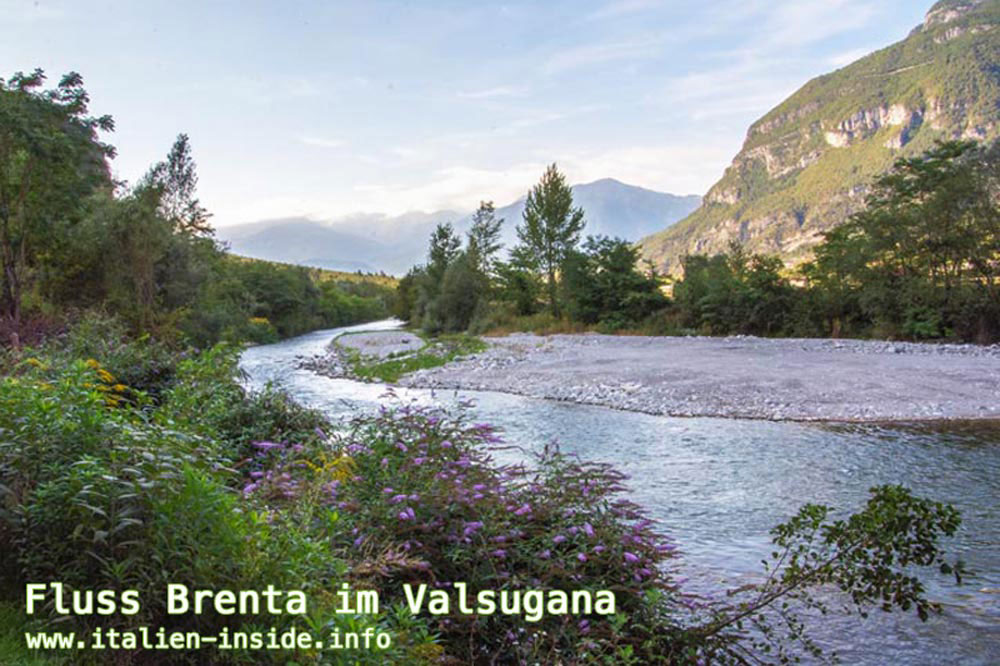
(719, 485)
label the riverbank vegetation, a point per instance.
(132, 457)
(190, 480)
(435, 352)
(72, 239)
(920, 262)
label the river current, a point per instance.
(718, 485)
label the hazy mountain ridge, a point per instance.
(377, 242)
(804, 165)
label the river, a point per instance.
(718, 485)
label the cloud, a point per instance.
(320, 142)
(458, 187)
(688, 167)
(594, 54)
(798, 23)
(489, 93)
(622, 8)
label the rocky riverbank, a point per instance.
(739, 377)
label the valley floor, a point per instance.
(740, 377)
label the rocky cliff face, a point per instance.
(805, 165)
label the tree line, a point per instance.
(549, 271)
(72, 238)
(921, 261)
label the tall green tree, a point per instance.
(176, 181)
(604, 284)
(923, 253)
(51, 158)
(484, 239)
(444, 249)
(551, 228)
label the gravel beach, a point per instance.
(740, 377)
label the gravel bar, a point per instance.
(739, 377)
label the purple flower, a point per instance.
(266, 446)
(545, 554)
(588, 529)
(499, 553)
(523, 510)
(446, 444)
(631, 558)
(559, 538)
(581, 556)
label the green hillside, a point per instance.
(805, 164)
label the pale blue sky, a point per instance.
(326, 108)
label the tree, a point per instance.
(484, 238)
(50, 159)
(463, 288)
(923, 253)
(444, 249)
(551, 228)
(175, 181)
(603, 284)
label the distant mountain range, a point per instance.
(376, 242)
(806, 165)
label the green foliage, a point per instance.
(787, 175)
(50, 159)
(484, 239)
(603, 285)
(921, 259)
(734, 293)
(870, 556)
(919, 262)
(218, 489)
(442, 349)
(70, 238)
(550, 230)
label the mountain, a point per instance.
(374, 242)
(368, 242)
(804, 166)
(612, 208)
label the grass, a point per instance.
(436, 352)
(12, 647)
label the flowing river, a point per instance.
(718, 485)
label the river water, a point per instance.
(718, 485)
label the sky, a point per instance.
(322, 109)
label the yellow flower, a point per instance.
(92, 363)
